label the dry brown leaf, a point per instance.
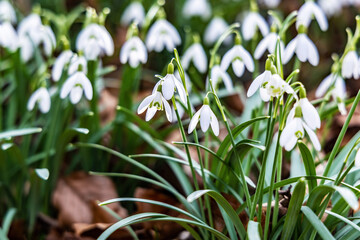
(108, 103)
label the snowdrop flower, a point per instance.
(94, 41)
(77, 63)
(76, 85)
(197, 55)
(306, 13)
(200, 8)
(42, 97)
(207, 118)
(338, 93)
(309, 113)
(7, 12)
(214, 30)
(252, 22)
(32, 33)
(271, 3)
(60, 63)
(133, 13)
(294, 130)
(218, 74)
(162, 34)
(268, 43)
(303, 47)
(239, 58)
(271, 85)
(169, 83)
(8, 36)
(181, 110)
(153, 103)
(331, 7)
(134, 52)
(350, 66)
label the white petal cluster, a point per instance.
(219, 75)
(133, 52)
(60, 63)
(309, 114)
(169, 84)
(199, 8)
(331, 7)
(271, 3)
(32, 33)
(153, 103)
(294, 130)
(8, 37)
(338, 93)
(207, 118)
(42, 97)
(271, 85)
(350, 66)
(214, 30)
(162, 34)
(95, 41)
(239, 58)
(268, 43)
(133, 13)
(7, 12)
(77, 83)
(304, 49)
(197, 55)
(252, 22)
(309, 10)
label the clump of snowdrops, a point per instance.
(279, 121)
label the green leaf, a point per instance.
(43, 173)
(345, 220)
(222, 151)
(254, 230)
(308, 163)
(348, 196)
(222, 202)
(317, 223)
(292, 214)
(19, 132)
(10, 214)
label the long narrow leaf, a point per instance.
(317, 223)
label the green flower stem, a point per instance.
(278, 179)
(263, 165)
(242, 174)
(92, 67)
(340, 138)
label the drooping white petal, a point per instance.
(162, 34)
(350, 66)
(75, 94)
(252, 21)
(313, 137)
(61, 61)
(168, 111)
(199, 8)
(214, 30)
(246, 57)
(168, 87)
(324, 85)
(357, 159)
(313, 55)
(150, 113)
(205, 118)
(228, 58)
(7, 12)
(263, 45)
(8, 37)
(238, 67)
(310, 115)
(265, 76)
(86, 85)
(42, 97)
(196, 54)
(214, 123)
(290, 50)
(145, 103)
(264, 95)
(291, 130)
(307, 11)
(194, 120)
(181, 90)
(68, 85)
(133, 13)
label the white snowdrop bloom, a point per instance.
(350, 66)
(338, 93)
(42, 97)
(133, 13)
(95, 41)
(252, 22)
(258, 82)
(7, 12)
(304, 49)
(294, 130)
(133, 52)
(60, 63)
(153, 103)
(214, 30)
(239, 58)
(331, 7)
(309, 113)
(77, 63)
(197, 55)
(219, 75)
(207, 118)
(162, 34)
(268, 43)
(75, 86)
(8, 36)
(271, 3)
(169, 83)
(200, 8)
(309, 10)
